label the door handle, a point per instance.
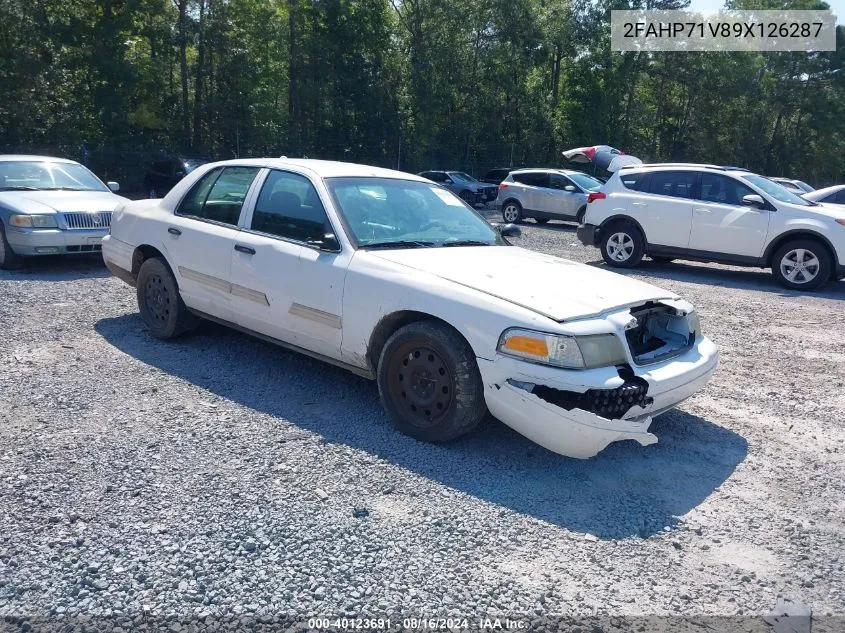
(244, 249)
(702, 210)
(175, 232)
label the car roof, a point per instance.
(8, 158)
(324, 168)
(548, 170)
(626, 169)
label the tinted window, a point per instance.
(677, 184)
(288, 206)
(534, 179)
(636, 182)
(837, 198)
(722, 190)
(556, 181)
(219, 195)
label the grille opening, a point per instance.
(660, 333)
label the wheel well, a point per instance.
(514, 200)
(579, 215)
(143, 253)
(392, 322)
(800, 235)
(618, 219)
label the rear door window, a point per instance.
(533, 179)
(219, 195)
(677, 184)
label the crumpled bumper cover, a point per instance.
(579, 433)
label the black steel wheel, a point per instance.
(161, 307)
(429, 382)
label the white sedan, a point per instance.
(395, 278)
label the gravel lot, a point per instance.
(141, 477)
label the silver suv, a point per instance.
(545, 194)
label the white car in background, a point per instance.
(395, 278)
(715, 214)
(51, 206)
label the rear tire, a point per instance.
(579, 217)
(622, 245)
(9, 259)
(159, 302)
(512, 212)
(429, 382)
(802, 265)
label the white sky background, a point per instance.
(837, 6)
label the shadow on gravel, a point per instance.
(59, 268)
(746, 279)
(627, 490)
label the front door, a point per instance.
(285, 282)
(722, 224)
(565, 202)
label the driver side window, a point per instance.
(289, 207)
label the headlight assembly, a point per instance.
(571, 352)
(33, 221)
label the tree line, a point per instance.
(413, 84)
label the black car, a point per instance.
(165, 173)
(497, 175)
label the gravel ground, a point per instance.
(223, 475)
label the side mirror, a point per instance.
(753, 200)
(509, 230)
(113, 186)
(569, 188)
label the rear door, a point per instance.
(722, 224)
(200, 236)
(665, 214)
(532, 187)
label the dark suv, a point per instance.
(165, 173)
(497, 175)
(469, 189)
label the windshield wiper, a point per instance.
(467, 243)
(18, 188)
(399, 244)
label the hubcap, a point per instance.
(511, 213)
(620, 247)
(157, 299)
(420, 385)
(800, 266)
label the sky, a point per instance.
(837, 6)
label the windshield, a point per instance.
(459, 175)
(407, 214)
(587, 183)
(776, 191)
(46, 175)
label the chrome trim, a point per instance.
(87, 221)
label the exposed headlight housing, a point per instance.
(570, 352)
(34, 221)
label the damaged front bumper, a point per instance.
(561, 409)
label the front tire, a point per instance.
(429, 382)
(159, 302)
(802, 265)
(468, 197)
(622, 245)
(512, 212)
(9, 259)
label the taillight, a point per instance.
(595, 195)
(503, 185)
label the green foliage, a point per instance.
(417, 84)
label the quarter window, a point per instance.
(219, 195)
(635, 182)
(722, 189)
(289, 207)
(677, 184)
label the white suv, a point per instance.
(715, 214)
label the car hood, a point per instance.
(59, 201)
(559, 289)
